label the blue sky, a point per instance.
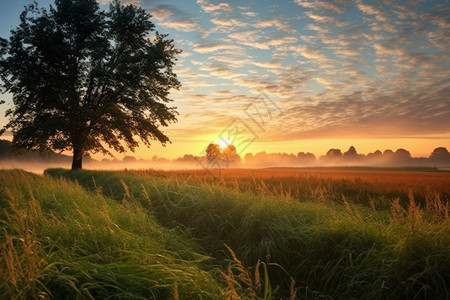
(373, 74)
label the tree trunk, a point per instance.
(77, 157)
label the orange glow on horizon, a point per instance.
(319, 147)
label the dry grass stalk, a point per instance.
(176, 296)
(230, 293)
(397, 211)
(414, 213)
(292, 291)
(20, 253)
(244, 275)
(434, 203)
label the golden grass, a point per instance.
(376, 188)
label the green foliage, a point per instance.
(82, 78)
(329, 250)
(58, 241)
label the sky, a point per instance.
(301, 76)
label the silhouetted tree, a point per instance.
(213, 153)
(334, 153)
(402, 153)
(230, 156)
(306, 158)
(440, 153)
(351, 152)
(374, 157)
(82, 78)
(402, 156)
(129, 159)
(377, 153)
(351, 156)
(388, 154)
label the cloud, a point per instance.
(372, 10)
(322, 5)
(320, 18)
(124, 2)
(440, 39)
(181, 25)
(310, 53)
(171, 17)
(252, 83)
(220, 70)
(163, 12)
(254, 39)
(232, 22)
(440, 18)
(275, 22)
(231, 61)
(269, 64)
(245, 36)
(377, 73)
(214, 7)
(216, 47)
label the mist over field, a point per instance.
(34, 162)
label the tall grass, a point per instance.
(328, 249)
(58, 241)
(361, 186)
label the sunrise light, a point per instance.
(224, 149)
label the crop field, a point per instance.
(335, 233)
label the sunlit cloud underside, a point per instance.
(334, 69)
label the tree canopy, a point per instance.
(87, 80)
(215, 156)
(213, 153)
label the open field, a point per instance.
(376, 187)
(230, 234)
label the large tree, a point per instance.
(87, 80)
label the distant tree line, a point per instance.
(401, 157)
(215, 157)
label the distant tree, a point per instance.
(82, 78)
(229, 155)
(374, 157)
(351, 152)
(440, 154)
(261, 157)
(334, 153)
(377, 153)
(187, 158)
(388, 153)
(402, 155)
(332, 156)
(213, 153)
(129, 159)
(306, 158)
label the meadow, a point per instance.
(225, 234)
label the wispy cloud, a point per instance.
(216, 47)
(336, 68)
(171, 17)
(228, 22)
(277, 23)
(209, 7)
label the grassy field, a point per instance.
(230, 234)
